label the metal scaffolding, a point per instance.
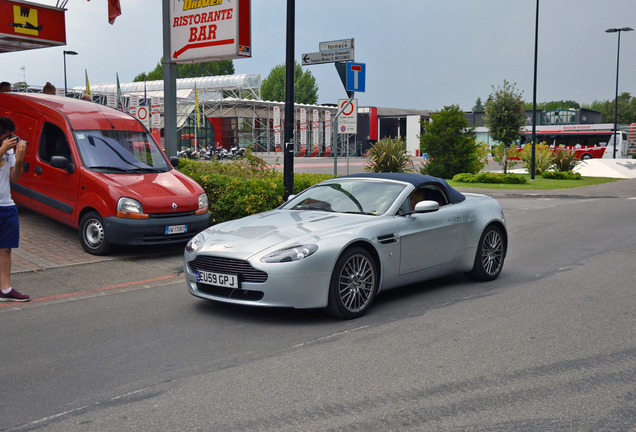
(233, 97)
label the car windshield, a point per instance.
(126, 152)
(348, 196)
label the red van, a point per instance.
(98, 169)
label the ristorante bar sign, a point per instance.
(207, 30)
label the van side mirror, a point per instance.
(174, 161)
(62, 162)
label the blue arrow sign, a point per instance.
(356, 76)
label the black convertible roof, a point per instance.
(416, 180)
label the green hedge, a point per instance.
(561, 175)
(489, 177)
(241, 188)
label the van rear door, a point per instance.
(27, 123)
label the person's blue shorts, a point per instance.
(9, 227)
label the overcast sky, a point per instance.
(419, 54)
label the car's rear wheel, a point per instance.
(491, 252)
(353, 284)
(93, 236)
(586, 156)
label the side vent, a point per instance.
(388, 238)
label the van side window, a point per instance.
(53, 143)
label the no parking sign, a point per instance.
(348, 120)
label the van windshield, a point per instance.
(126, 152)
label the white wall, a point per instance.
(412, 134)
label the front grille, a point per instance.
(242, 268)
(239, 294)
(170, 215)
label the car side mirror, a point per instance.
(426, 207)
(174, 161)
(62, 162)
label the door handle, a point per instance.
(38, 170)
(25, 167)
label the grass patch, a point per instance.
(539, 183)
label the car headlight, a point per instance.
(195, 243)
(292, 253)
(203, 204)
(130, 208)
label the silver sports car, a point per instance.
(339, 243)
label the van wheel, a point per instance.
(92, 234)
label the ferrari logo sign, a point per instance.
(25, 20)
(25, 25)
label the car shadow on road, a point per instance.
(409, 300)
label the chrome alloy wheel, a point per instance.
(356, 283)
(492, 252)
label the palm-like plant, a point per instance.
(542, 157)
(389, 155)
(565, 160)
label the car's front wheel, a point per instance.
(491, 252)
(353, 284)
(92, 234)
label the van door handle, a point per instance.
(25, 167)
(37, 170)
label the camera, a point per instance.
(18, 138)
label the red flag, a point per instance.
(114, 10)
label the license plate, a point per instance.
(218, 279)
(176, 229)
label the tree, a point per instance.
(479, 106)
(555, 105)
(190, 70)
(305, 88)
(450, 144)
(505, 116)
(626, 109)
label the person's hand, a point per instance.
(20, 149)
(9, 143)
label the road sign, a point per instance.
(356, 73)
(348, 120)
(336, 45)
(328, 57)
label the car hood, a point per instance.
(157, 192)
(250, 235)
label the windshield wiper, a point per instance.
(150, 170)
(360, 212)
(310, 207)
(109, 168)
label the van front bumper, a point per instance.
(138, 232)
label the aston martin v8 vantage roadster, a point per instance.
(337, 244)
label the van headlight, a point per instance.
(293, 253)
(130, 208)
(203, 204)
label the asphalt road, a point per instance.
(550, 345)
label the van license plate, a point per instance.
(176, 229)
(218, 279)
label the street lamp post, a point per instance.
(617, 30)
(69, 53)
